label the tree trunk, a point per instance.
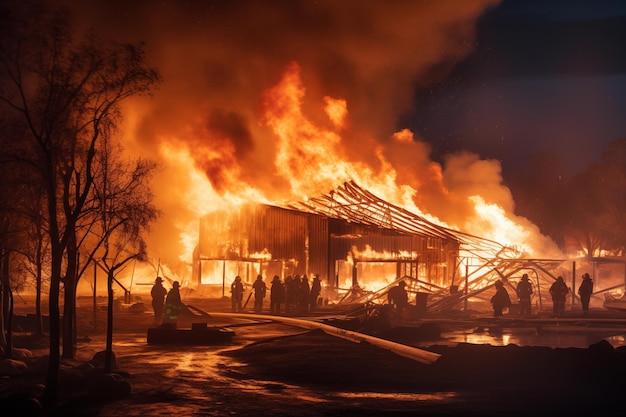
(108, 357)
(7, 305)
(50, 395)
(69, 299)
(69, 305)
(3, 302)
(8, 353)
(38, 278)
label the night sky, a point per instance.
(546, 78)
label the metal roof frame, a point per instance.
(352, 203)
(491, 261)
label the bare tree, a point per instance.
(127, 211)
(5, 220)
(67, 92)
(33, 242)
(13, 224)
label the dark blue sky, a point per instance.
(547, 77)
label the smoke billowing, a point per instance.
(220, 137)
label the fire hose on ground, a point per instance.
(417, 354)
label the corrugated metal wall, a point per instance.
(315, 242)
(318, 247)
(283, 233)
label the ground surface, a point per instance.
(282, 370)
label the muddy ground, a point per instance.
(280, 370)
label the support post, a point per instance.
(223, 278)
(466, 282)
(573, 283)
(95, 301)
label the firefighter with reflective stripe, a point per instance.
(173, 305)
(524, 292)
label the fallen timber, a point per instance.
(419, 355)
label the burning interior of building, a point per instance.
(350, 238)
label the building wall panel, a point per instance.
(312, 243)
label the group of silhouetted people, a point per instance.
(166, 305)
(296, 294)
(293, 296)
(524, 291)
(559, 291)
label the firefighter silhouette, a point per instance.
(173, 306)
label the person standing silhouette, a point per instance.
(558, 291)
(173, 305)
(236, 291)
(500, 299)
(524, 292)
(584, 291)
(304, 292)
(158, 293)
(260, 289)
(277, 295)
(316, 289)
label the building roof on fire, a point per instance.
(352, 203)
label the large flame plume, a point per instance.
(274, 101)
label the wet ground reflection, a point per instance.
(198, 381)
(551, 336)
(195, 375)
(200, 364)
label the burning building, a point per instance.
(360, 245)
(351, 238)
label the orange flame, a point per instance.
(337, 110)
(466, 193)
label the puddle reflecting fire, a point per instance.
(554, 337)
